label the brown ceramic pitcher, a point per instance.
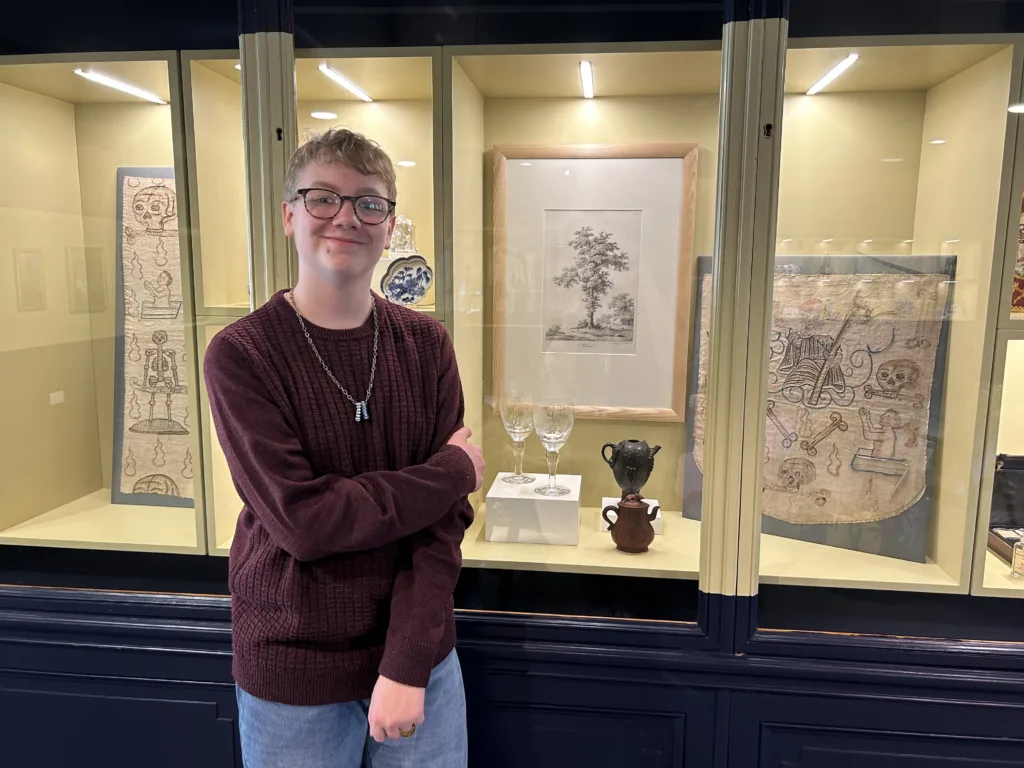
(632, 530)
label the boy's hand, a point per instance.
(475, 453)
(394, 707)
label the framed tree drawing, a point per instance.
(592, 267)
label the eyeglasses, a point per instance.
(325, 204)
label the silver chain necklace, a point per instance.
(362, 412)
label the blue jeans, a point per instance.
(338, 736)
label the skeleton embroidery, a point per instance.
(153, 362)
(836, 422)
(788, 438)
(881, 457)
(837, 345)
(794, 474)
(895, 376)
(812, 365)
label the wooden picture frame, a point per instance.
(675, 409)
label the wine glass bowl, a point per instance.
(553, 421)
(517, 417)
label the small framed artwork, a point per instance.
(86, 288)
(30, 279)
(592, 258)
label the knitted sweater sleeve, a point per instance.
(423, 588)
(311, 516)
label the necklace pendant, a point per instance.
(362, 413)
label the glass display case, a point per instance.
(215, 146)
(583, 219)
(388, 98)
(889, 259)
(999, 550)
(391, 100)
(97, 357)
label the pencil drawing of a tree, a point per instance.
(596, 256)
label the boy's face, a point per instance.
(344, 246)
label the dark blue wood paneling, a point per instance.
(327, 23)
(49, 721)
(799, 730)
(845, 18)
(69, 26)
(546, 708)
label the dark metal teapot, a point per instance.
(632, 462)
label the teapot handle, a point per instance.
(615, 452)
(653, 513)
(604, 514)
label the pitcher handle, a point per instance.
(604, 514)
(604, 448)
(653, 513)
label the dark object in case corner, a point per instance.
(1008, 493)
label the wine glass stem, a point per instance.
(552, 457)
(518, 449)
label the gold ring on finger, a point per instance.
(407, 734)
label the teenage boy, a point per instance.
(340, 415)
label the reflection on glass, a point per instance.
(96, 360)
(517, 416)
(553, 420)
(877, 344)
(219, 211)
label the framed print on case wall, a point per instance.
(30, 279)
(593, 275)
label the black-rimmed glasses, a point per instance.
(325, 204)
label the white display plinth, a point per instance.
(517, 514)
(610, 501)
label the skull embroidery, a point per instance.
(897, 374)
(154, 207)
(795, 473)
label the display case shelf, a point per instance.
(791, 561)
(674, 554)
(92, 521)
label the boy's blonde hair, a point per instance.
(340, 145)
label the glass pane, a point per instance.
(1006, 513)
(583, 229)
(96, 359)
(223, 503)
(888, 203)
(400, 117)
(222, 255)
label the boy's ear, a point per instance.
(287, 213)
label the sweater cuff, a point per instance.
(407, 661)
(459, 466)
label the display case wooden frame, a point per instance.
(172, 61)
(684, 276)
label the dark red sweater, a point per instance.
(347, 549)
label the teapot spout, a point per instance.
(655, 449)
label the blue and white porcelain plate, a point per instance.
(407, 280)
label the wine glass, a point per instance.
(517, 416)
(553, 420)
